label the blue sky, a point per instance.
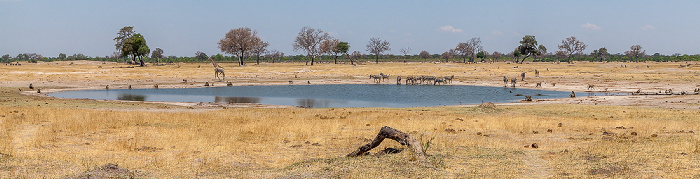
(181, 28)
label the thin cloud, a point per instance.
(449, 28)
(590, 26)
(648, 27)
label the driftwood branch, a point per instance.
(398, 136)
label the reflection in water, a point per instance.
(313, 103)
(219, 99)
(131, 97)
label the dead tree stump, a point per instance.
(398, 136)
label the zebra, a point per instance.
(513, 81)
(523, 76)
(411, 79)
(398, 80)
(537, 73)
(449, 78)
(505, 81)
(384, 77)
(590, 86)
(438, 81)
(428, 79)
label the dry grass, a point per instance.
(45, 137)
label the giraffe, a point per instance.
(218, 69)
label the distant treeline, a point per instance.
(32, 58)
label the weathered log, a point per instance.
(398, 136)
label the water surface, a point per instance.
(323, 96)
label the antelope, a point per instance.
(590, 86)
(539, 85)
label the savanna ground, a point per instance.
(613, 136)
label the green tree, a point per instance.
(157, 54)
(340, 48)
(136, 47)
(635, 52)
(6, 58)
(201, 56)
(601, 53)
(528, 47)
(62, 56)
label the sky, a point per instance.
(181, 28)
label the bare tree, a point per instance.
(560, 54)
(260, 48)
(328, 46)
(377, 46)
(635, 52)
(497, 55)
(274, 54)
(355, 55)
(572, 46)
(309, 40)
(447, 55)
(469, 49)
(240, 42)
(123, 34)
(405, 52)
(424, 54)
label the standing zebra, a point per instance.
(505, 81)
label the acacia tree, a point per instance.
(601, 53)
(635, 52)
(340, 49)
(157, 54)
(543, 51)
(240, 42)
(309, 40)
(572, 46)
(377, 46)
(136, 47)
(528, 47)
(201, 56)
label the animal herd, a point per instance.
(414, 80)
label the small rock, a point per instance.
(654, 135)
(478, 133)
(633, 133)
(560, 124)
(534, 145)
(535, 132)
(549, 130)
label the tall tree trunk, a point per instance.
(377, 58)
